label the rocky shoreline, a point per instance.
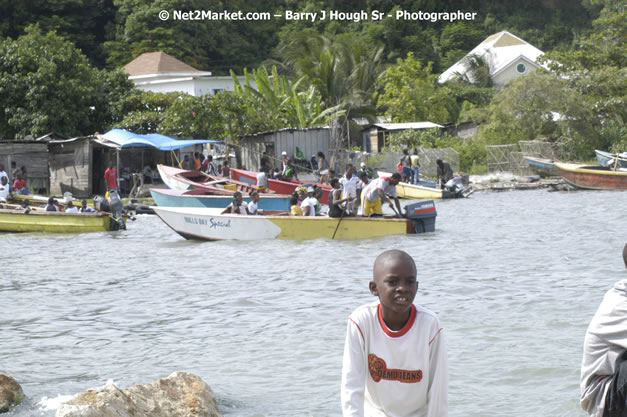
(181, 394)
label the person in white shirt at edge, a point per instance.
(349, 183)
(237, 206)
(252, 206)
(395, 362)
(5, 189)
(604, 364)
(308, 205)
(378, 190)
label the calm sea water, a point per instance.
(515, 278)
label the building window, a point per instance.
(217, 90)
(521, 68)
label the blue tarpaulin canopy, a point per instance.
(125, 139)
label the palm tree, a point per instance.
(345, 72)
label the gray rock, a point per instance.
(10, 393)
(179, 395)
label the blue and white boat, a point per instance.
(606, 159)
(542, 166)
(198, 198)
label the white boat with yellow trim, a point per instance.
(211, 224)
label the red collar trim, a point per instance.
(406, 327)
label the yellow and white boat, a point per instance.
(211, 224)
(17, 220)
(413, 192)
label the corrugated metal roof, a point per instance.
(404, 126)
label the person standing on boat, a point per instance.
(349, 183)
(226, 171)
(444, 172)
(604, 363)
(111, 177)
(415, 168)
(212, 168)
(336, 199)
(377, 191)
(262, 179)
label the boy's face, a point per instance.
(395, 284)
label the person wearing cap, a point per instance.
(308, 205)
(378, 190)
(313, 163)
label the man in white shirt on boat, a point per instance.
(350, 183)
(309, 203)
(377, 191)
(237, 206)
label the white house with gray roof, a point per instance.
(507, 56)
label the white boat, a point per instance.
(211, 224)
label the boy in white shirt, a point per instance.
(395, 362)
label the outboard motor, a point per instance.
(454, 188)
(116, 209)
(101, 204)
(422, 215)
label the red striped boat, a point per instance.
(280, 186)
(180, 179)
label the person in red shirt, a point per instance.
(111, 177)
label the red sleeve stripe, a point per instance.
(436, 335)
(358, 328)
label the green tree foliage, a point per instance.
(597, 68)
(145, 111)
(412, 93)
(539, 104)
(344, 72)
(46, 85)
(83, 22)
(286, 105)
(216, 45)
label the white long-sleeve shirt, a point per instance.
(394, 373)
(605, 341)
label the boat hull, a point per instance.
(209, 224)
(178, 198)
(414, 192)
(179, 179)
(53, 222)
(592, 178)
(279, 186)
(541, 166)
